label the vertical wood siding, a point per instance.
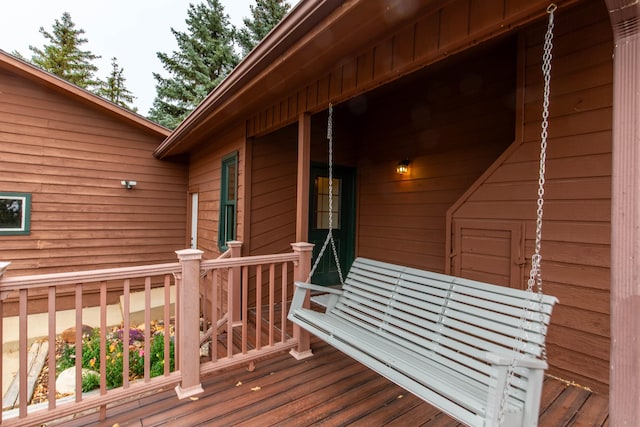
(71, 156)
(576, 233)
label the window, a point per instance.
(15, 213)
(228, 198)
(322, 203)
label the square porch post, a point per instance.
(624, 378)
(188, 328)
(300, 274)
(304, 172)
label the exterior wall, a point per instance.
(451, 124)
(273, 189)
(577, 210)
(71, 156)
(204, 178)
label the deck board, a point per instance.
(328, 389)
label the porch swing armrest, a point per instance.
(318, 288)
(300, 295)
(525, 362)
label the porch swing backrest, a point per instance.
(448, 340)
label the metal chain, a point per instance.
(330, 233)
(535, 275)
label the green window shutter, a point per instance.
(228, 197)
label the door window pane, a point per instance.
(321, 214)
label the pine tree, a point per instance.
(205, 56)
(63, 56)
(266, 14)
(114, 89)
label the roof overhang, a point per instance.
(315, 37)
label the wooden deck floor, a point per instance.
(328, 389)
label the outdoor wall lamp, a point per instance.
(403, 167)
(128, 184)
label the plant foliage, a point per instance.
(204, 57)
(265, 15)
(63, 55)
(115, 354)
(114, 88)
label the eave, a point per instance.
(305, 16)
(315, 37)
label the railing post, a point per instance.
(188, 327)
(234, 293)
(300, 274)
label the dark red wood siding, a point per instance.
(71, 156)
(577, 210)
(451, 123)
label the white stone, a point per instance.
(66, 382)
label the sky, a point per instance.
(130, 30)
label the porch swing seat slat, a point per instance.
(446, 339)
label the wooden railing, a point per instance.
(237, 305)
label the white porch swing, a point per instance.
(474, 350)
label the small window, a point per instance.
(15, 213)
(228, 198)
(322, 203)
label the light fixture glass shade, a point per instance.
(403, 167)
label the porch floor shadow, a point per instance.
(328, 389)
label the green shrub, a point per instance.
(114, 357)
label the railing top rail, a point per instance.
(88, 276)
(248, 260)
(93, 276)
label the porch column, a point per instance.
(234, 293)
(304, 162)
(188, 327)
(300, 274)
(624, 396)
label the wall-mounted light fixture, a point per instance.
(128, 184)
(403, 167)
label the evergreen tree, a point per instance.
(63, 56)
(266, 14)
(205, 56)
(114, 89)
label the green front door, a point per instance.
(343, 222)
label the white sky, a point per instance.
(131, 30)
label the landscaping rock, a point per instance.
(69, 335)
(66, 382)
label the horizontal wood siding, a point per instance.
(451, 125)
(273, 189)
(577, 210)
(71, 156)
(204, 178)
(273, 206)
